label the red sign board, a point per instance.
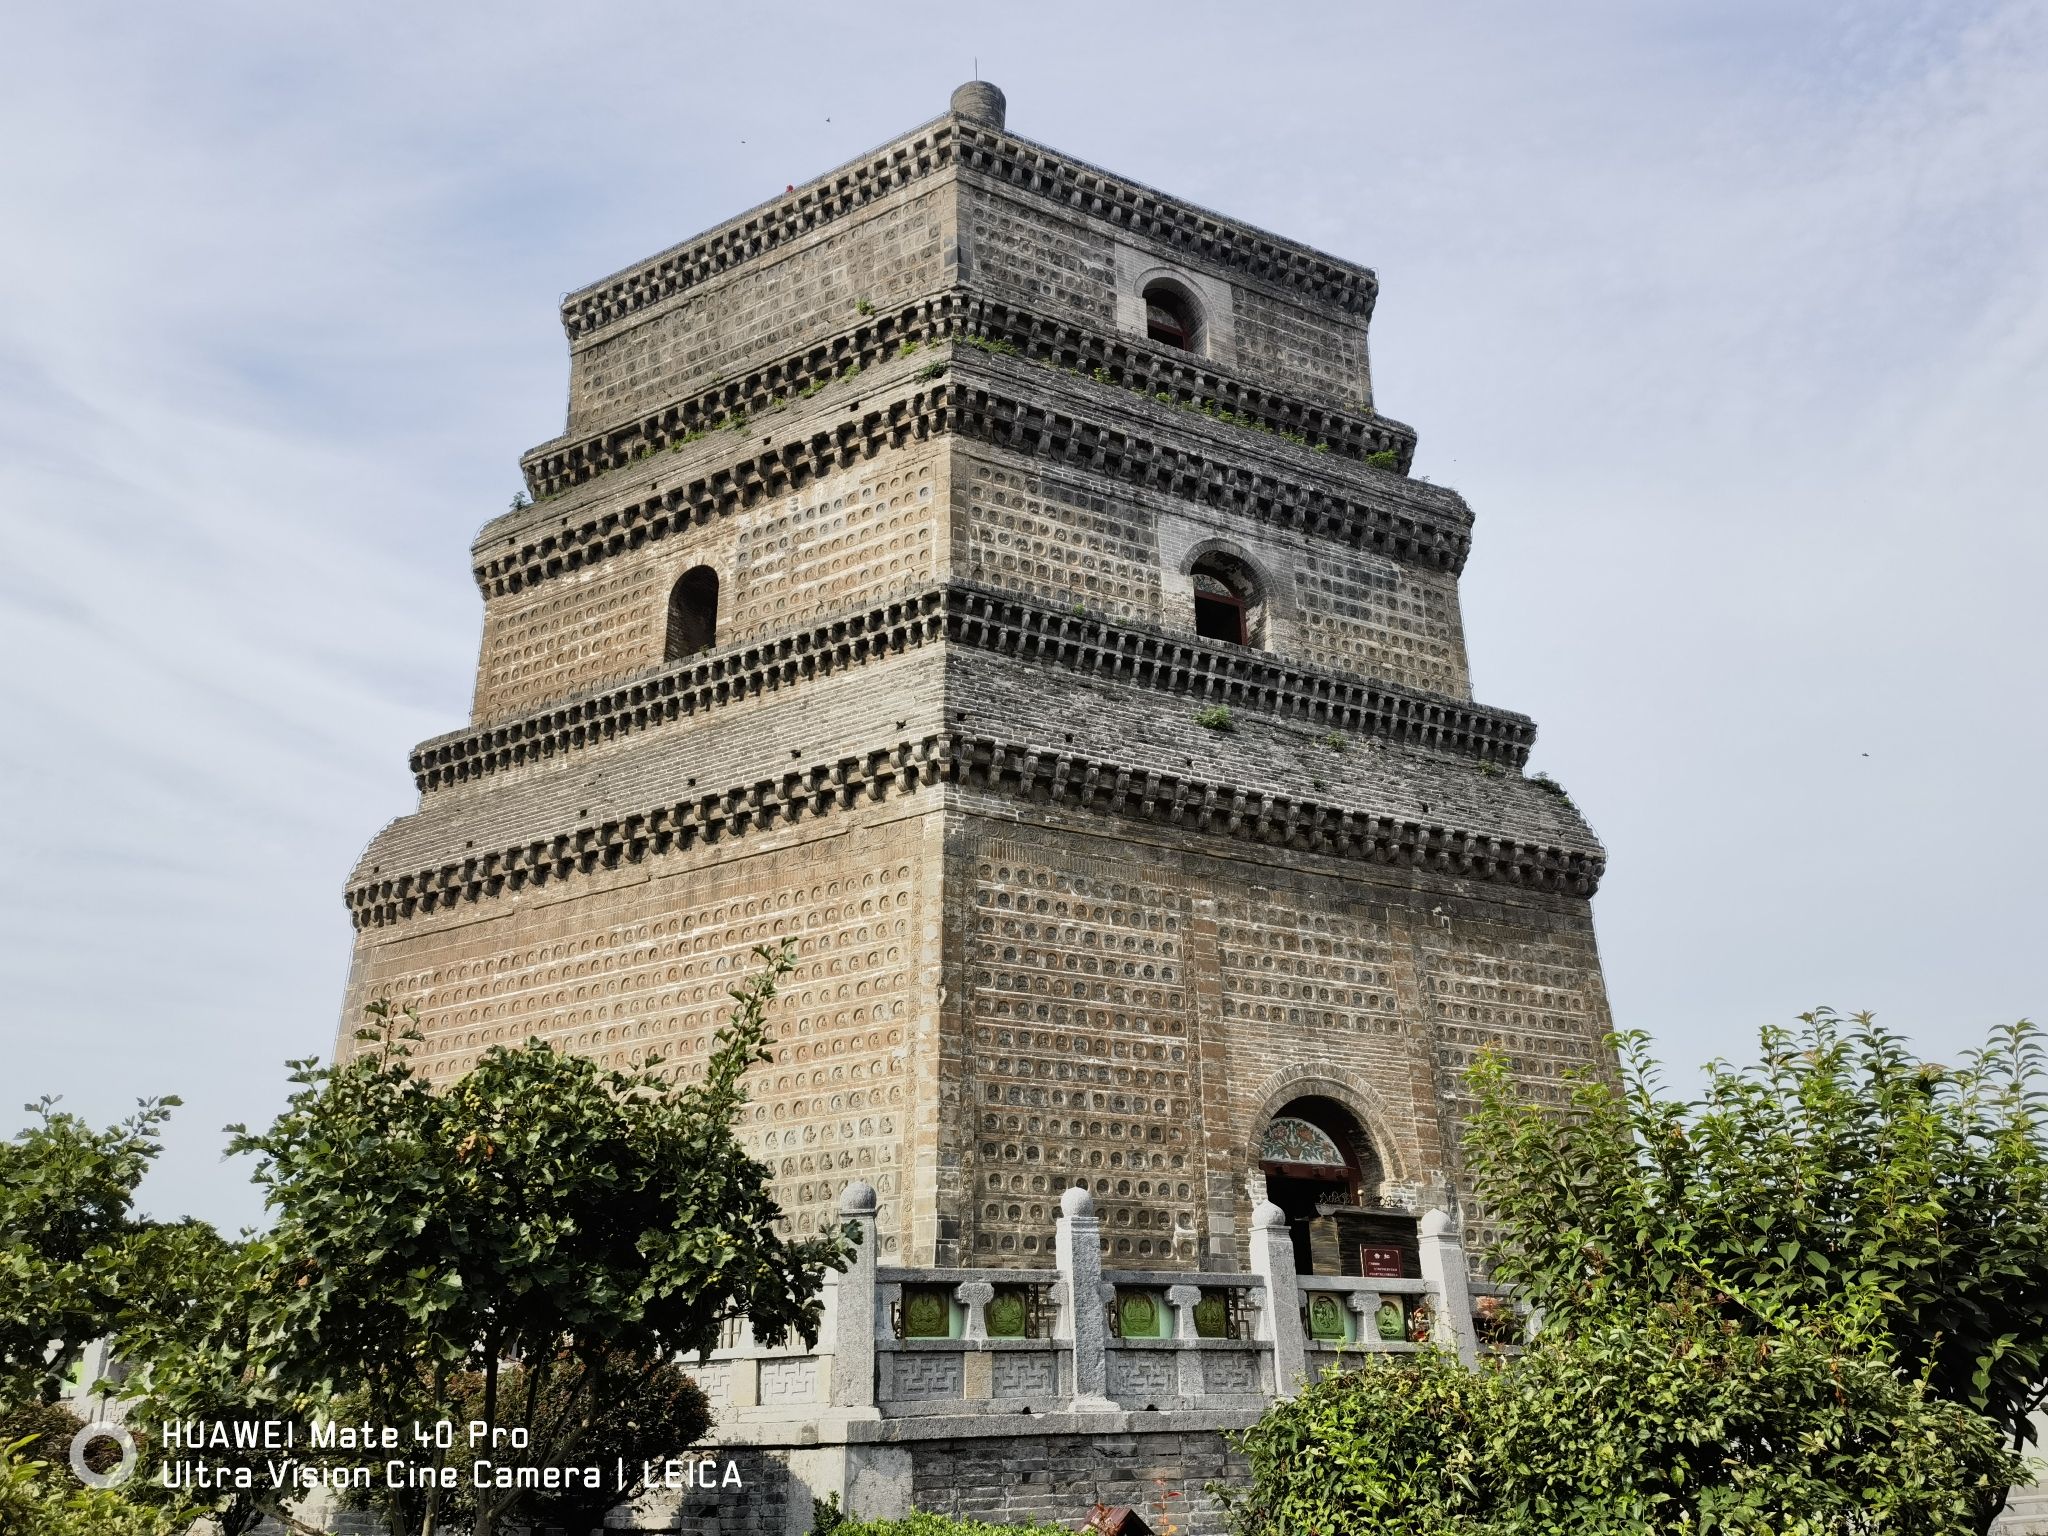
(1378, 1263)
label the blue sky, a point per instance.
(1730, 321)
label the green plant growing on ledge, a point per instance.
(907, 348)
(931, 371)
(863, 306)
(1384, 458)
(1215, 718)
(738, 423)
(1490, 768)
(851, 370)
(1550, 786)
(813, 387)
(1337, 742)
(521, 501)
(995, 348)
(827, 1519)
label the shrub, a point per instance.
(922, 1523)
(1215, 718)
(34, 1501)
(1665, 1420)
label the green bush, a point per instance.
(1671, 1420)
(923, 1524)
(1215, 718)
(36, 1501)
(1384, 1448)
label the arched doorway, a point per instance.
(1321, 1170)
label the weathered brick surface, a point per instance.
(1369, 991)
(855, 538)
(1165, 1477)
(1052, 928)
(888, 254)
(625, 964)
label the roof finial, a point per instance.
(980, 102)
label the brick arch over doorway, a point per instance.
(1321, 1152)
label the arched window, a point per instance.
(693, 613)
(1171, 317)
(1230, 600)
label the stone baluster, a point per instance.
(1077, 1248)
(1187, 1360)
(977, 1365)
(1280, 1317)
(974, 1295)
(1443, 1267)
(1182, 1299)
(1365, 1318)
(853, 1307)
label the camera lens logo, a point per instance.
(114, 1476)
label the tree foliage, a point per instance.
(67, 1239)
(36, 1500)
(1814, 1300)
(588, 1224)
(1839, 1175)
(640, 1412)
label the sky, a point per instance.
(1730, 321)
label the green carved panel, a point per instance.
(1212, 1317)
(1326, 1316)
(1138, 1315)
(927, 1314)
(1389, 1321)
(1006, 1315)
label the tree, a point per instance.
(198, 1299)
(646, 1414)
(1838, 1170)
(67, 1239)
(590, 1224)
(1816, 1299)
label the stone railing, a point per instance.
(902, 1343)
